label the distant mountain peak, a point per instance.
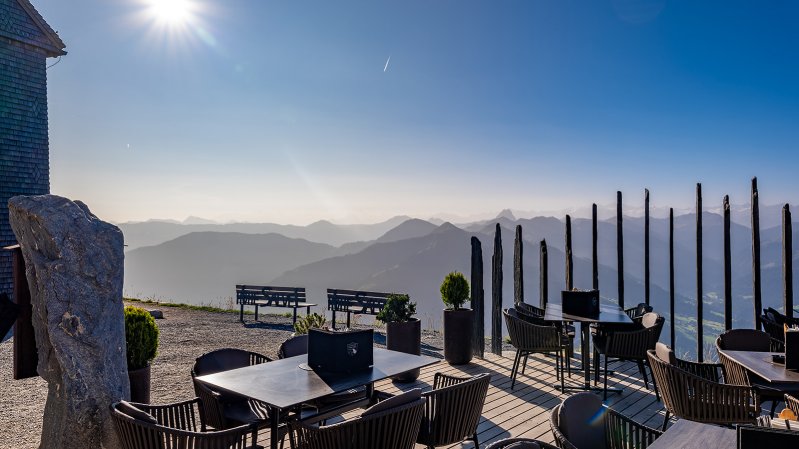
(507, 214)
(192, 220)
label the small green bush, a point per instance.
(312, 321)
(455, 290)
(398, 309)
(141, 336)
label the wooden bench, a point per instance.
(266, 296)
(355, 301)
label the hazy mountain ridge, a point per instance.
(414, 256)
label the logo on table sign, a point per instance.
(352, 349)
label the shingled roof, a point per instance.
(56, 46)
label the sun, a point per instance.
(171, 12)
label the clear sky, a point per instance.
(291, 111)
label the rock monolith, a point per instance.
(74, 266)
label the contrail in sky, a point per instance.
(387, 61)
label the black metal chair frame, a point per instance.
(529, 338)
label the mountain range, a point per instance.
(413, 256)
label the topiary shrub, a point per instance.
(141, 336)
(312, 321)
(398, 309)
(454, 290)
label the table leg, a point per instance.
(274, 440)
(585, 348)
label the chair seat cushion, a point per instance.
(582, 421)
(394, 401)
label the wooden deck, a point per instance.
(524, 411)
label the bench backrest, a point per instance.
(356, 301)
(269, 296)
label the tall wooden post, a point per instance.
(671, 277)
(543, 280)
(496, 294)
(478, 299)
(619, 249)
(569, 256)
(727, 266)
(756, 291)
(646, 246)
(787, 261)
(518, 272)
(26, 353)
(699, 320)
(594, 252)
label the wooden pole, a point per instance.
(756, 291)
(496, 294)
(699, 321)
(787, 260)
(727, 267)
(478, 299)
(543, 282)
(26, 352)
(594, 252)
(518, 274)
(569, 256)
(619, 250)
(671, 278)
(646, 246)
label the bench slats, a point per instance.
(355, 301)
(271, 296)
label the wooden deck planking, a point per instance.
(525, 410)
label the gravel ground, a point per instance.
(185, 335)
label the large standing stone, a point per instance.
(74, 266)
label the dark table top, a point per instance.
(761, 364)
(607, 314)
(686, 434)
(282, 383)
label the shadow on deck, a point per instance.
(524, 411)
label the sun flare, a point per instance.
(171, 12)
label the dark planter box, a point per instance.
(340, 352)
(140, 385)
(458, 326)
(580, 302)
(405, 337)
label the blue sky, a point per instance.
(285, 111)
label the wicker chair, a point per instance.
(453, 410)
(736, 374)
(629, 345)
(792, 403)
(773, 322)
(581, 421)
(637, 313)
(535, 315)
(529, 338)
(390, 424)
(174, 426)
(694, 397)
(294, 346)
(224, 410)
(520, 443)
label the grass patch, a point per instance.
(200, 308)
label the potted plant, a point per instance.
(141, 336)
(458, 322)
(403, 330)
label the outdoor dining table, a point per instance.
(283, 384)
(762, 364)
(685, 434)
(607, 315)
